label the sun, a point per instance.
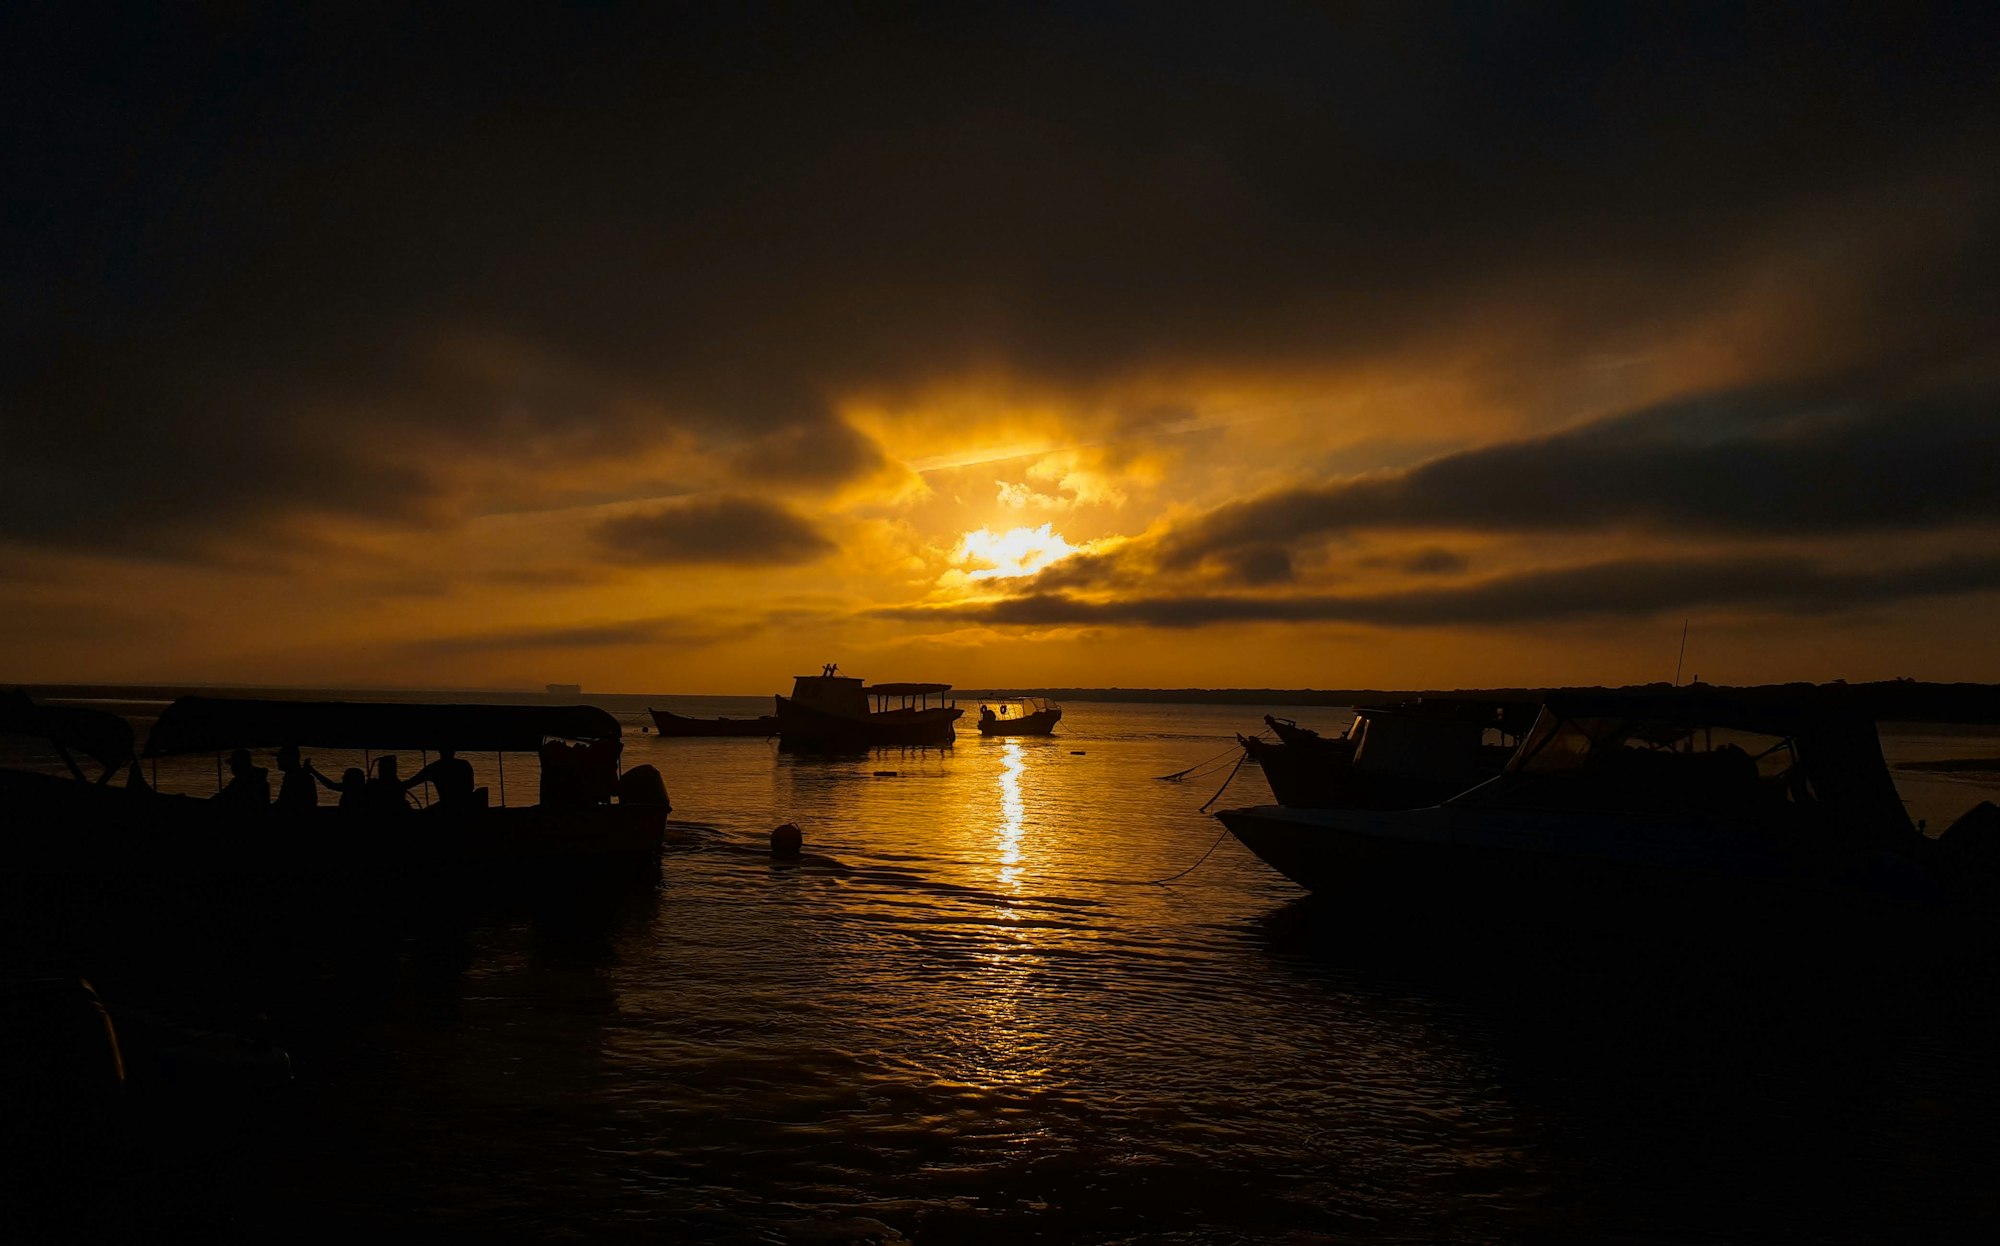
(1018, 551)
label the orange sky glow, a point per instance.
(1078, 359)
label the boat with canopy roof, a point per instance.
(585, 809)
(831, 712)
(1019, 716)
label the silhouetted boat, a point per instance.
(1391, 757)
(1684, 800)
(670, 724)
(1037, 717)
(588, 811)
(68, 730)
(831, 712)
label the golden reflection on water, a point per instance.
(1010, 816)
(1003, 1044)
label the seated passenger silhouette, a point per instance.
(249, 785)
(451, 775)
(295, 790)
(385, 791)
(985, 713)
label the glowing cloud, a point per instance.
(1016, 552)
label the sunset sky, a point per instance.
(1236, 345)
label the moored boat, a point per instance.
(831, 712)
(1019, 716)
(1677, 805)
(587, 812)
(672, 725)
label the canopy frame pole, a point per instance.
(501, 757)
(218, 770)
(426, 794)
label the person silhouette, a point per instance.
(295, 790)
(353, 785)
(451, 775)
(249, 784)
(385, 792)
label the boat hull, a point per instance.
(1041, 722)
(674, 725)
(804, 728)
(57, 825)
(1322, 775)
(1565, 869)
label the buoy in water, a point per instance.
(787, 841)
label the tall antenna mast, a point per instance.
(1684, 653)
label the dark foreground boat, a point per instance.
(588, 813)
(831, 713)
(671, 724)
(1020, 716)
(1391, 757)
(1677, 806)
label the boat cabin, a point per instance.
(828, 693)
(1435, 740)
(1020, 707)
(1702, 753)
(907, 698)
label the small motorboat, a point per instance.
(1019, 716)
(671, 724)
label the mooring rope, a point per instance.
(1161, 882)
(1178, 775)
(1226, 782)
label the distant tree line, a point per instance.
(1896, 700)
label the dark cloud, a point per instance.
(1431, 561)
(823, 453)
(1746, 464)
(1261, 564)
(241, 241)
(733, 530)
(1617, 589)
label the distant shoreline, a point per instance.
(1889, 700)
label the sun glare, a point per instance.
(1018, 551)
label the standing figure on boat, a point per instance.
(295, 790)
(249, 784)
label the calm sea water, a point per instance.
(982, 1019)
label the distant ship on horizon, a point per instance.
(565, 690)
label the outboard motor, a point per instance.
(642, 785)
